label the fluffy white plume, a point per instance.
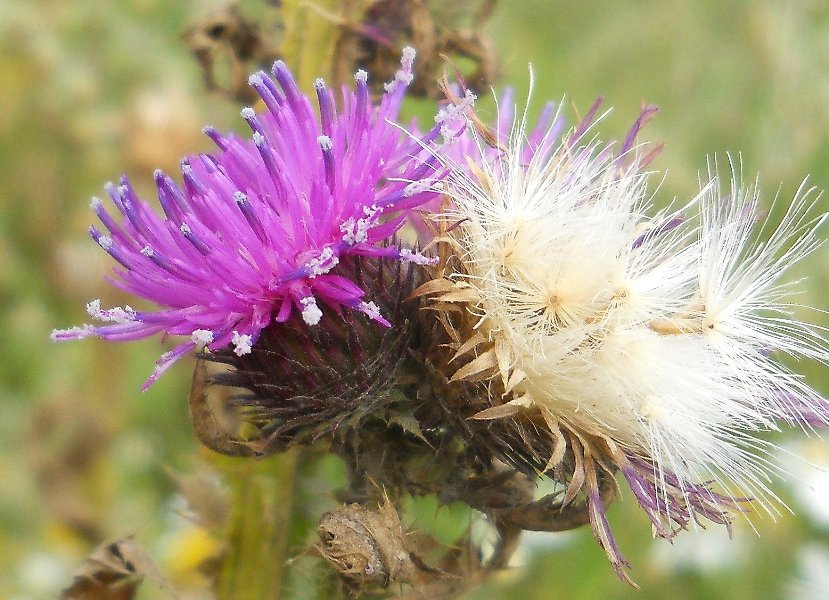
(655, 329)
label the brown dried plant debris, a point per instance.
(373, 34)
(114, 571)
(373, 552)
(229, 38)
(367, 546)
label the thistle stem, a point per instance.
(262, 517)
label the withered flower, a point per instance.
(646, 341)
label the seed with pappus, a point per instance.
(257, 230)
(646, 341)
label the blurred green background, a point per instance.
(90, 89)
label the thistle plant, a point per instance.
(549, 322)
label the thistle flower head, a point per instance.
(258, 228)
(645, 340)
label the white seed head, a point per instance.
(649, 328)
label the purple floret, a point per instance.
(257, 229)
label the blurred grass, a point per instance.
(92, 89)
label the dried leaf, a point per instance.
(558, 438)
(504, 356)
(465, 294)
(114, 571)
(366, 546)
(516, 377)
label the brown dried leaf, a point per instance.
(461, 294)
(114, 571)
(516, 377)
(558, 438)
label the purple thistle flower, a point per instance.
(257, 229)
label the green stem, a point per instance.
(309, 42)
(262, 514)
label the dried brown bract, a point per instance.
(366, 546)
(226, 36)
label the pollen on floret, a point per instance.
(356, 232)
(325, 142)
(72, 333)
(409, 54)
(311, 313)
(243, 343)
(105, 242)
(114, 315)
(202, 337)
(248, 112)
(416, 258)
(456, 111)
(361, 76)
(404, 75)
(321, 265)
(370, 309)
